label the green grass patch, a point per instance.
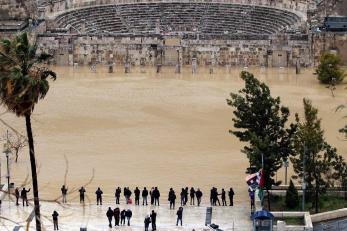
(326, 203)
(291, 220)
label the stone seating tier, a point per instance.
(179, 17)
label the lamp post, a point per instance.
(7, 152)
(303, 178)
(286, 165)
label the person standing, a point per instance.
(172, 198)
(137, 196)
(252, 197)
(224, 202)
(152, 195)
(128, 215)
(24, 195)
(179, 216)
(122, 217)
(144, 196)
(147, 222)
(231, 196)
(182, 196)
(198, 196)
(156, 196)
(192, 196)
(109, 215)
(99, 196)
(64, 193)
(186, 195)
(55, 220)
(82, 191)
(125, 194)
(16, 193)
(154, 220)
(117, 195)
(116, 214)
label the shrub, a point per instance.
(329, 68)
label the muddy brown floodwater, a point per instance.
(148, 129)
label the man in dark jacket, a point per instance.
(64, 193)
(147, 221)
(156, 195)
(154, 220)
(128, 215)
(137, 196)
(122, 217)
(98, 196)
(179, 216)
(186, 195)
(109, 215)
(55, 220)
(192, 196)
(224, 202)
(182, 195)
(231, 196)
(82, 192)
(16, 193)
(152, 195)
(24, 196)
(172, 198)
(116, 214)
(144, 196)
(117, 195)
(198, 196)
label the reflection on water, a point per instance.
(148, 129)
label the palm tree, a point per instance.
(23, 81)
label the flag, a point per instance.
(261, 184)
(252, 181)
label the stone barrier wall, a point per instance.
(150, 50)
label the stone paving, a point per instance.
(73, 216)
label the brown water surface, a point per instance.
(148, 129)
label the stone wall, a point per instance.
(329, 42)
(151, 50)
(17, 9)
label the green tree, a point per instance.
(292, 196)
(314, 155)
(23, 82)
(260, 120)
(329, 70)
(344, 129)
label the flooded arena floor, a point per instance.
(149, 129)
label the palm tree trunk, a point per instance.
(33, 172)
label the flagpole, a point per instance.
(262, 161)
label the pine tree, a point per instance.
(260, 120)
(319, 157)
(292, 196)
(329, 69)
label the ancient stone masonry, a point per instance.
(17, 9)
(150, 50)
(329, 42)
(161, 32)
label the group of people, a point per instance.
(121, 217)
(118, 216)
(214, 199)
(154, 195)
(21, 194)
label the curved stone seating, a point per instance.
(204, 18)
